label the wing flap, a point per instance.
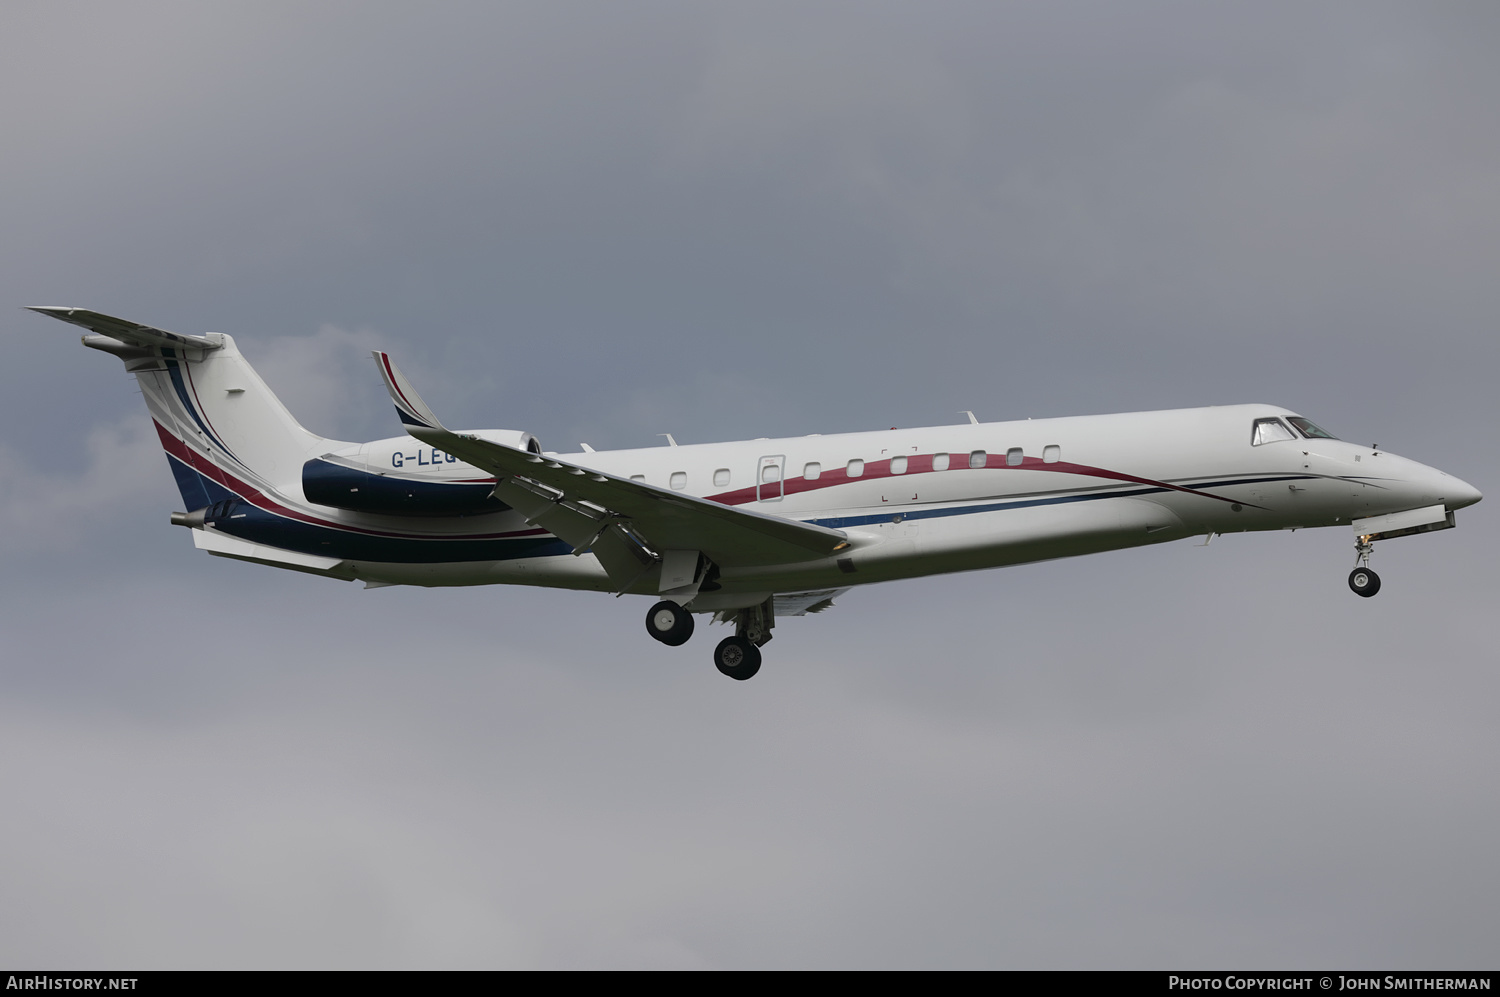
(802, 603)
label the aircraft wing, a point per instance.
(124, 330)
(628, 525)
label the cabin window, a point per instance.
(1269, 431)
(637, 477)
(812, 470)
(721, 477)
(940, 462)
(1014, 456)
(1051, 454)
(977, 458)
(898, 465)
(770, 473)
(1308, 429)
(855, 468)
(679, 480)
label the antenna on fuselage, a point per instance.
(972, 420)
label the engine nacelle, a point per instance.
(403, 476)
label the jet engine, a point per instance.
(402, 476)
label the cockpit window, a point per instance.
(1269, 431)
(1309, 430)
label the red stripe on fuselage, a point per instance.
(922, 463)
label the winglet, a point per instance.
(413, 411)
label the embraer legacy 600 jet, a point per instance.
(748, 531)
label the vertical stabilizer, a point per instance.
(223, 429)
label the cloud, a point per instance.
(42, 510)
(327, 380)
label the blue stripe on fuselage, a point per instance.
(190, 483)
(174, 370)
(258, 525)
(841, 522)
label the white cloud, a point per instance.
(41, 510)
(327, 380)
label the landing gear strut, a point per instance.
(1363, 581)
(669, 623)
(739, 656)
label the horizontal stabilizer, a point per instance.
(124, 330)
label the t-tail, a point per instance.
(224, 431)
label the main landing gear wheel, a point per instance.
(669, 623)
(737, 658)
(1363, 581)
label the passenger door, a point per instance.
(769, 472)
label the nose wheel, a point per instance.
(1363, 581)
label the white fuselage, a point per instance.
(1044, 488)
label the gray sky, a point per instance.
(600, 222)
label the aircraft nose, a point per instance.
(1459, 493)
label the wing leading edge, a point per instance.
(628, 525)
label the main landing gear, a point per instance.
(669, 623)
(737, 656)
(1363, 581)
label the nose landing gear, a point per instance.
(1363, 581)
